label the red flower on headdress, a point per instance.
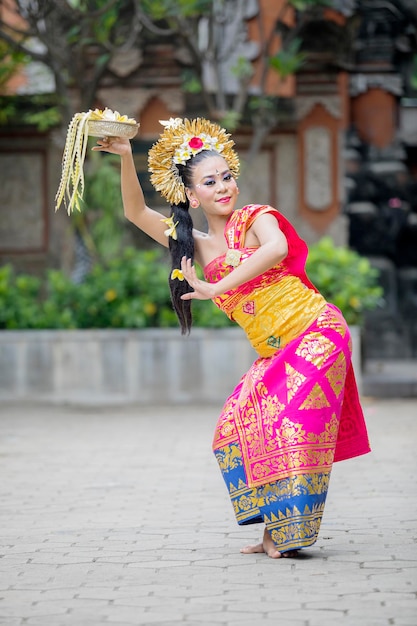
(195, 143)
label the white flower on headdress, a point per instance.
(212, 143)
(193, 144)
(181, 156)
(217, 146)
(173, 122)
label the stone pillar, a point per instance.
(321, 121)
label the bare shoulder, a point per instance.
(264, 228)
(208, 247)
(200, 245)
(199, 235)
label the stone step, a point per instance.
(390, 378)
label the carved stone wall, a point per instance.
(32, 236)
(319, 167)
(22, 196)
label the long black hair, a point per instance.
(184, 244)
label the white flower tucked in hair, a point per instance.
(171, 230)
(193, 144)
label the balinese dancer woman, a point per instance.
(297, 410)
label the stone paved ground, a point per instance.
(119, 516)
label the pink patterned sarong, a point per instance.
(297, 408)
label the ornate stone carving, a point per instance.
(127, 101)
(132, 101)
(305, 104)
(172, 98)
(23, 194)
(361, 83)
(318, 175)
(231, 45)
(124, 62)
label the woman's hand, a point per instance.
(114, 145)
(202, 290)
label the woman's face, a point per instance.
(213, 186)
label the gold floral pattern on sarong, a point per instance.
(289, 434)
(229, 457)
(336, 375)
(330, 319)
(294, 381)
(271, 409)
(274, 444)
(316, 349)
(316, 399)
(295, 528)
(226, 427)
(247, 501)
(291, 462)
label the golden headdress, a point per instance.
(181, 140)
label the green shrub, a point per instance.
(130, 291)
(19, 299)
(344, 278)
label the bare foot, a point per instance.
(252, 549)
(269, 546)
(266, 546)
(289, 554)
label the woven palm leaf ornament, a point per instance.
(95, 123)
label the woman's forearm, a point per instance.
(134, 206)
(265, 257)
(132, 194)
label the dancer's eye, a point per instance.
(226, 178)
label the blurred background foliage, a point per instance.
(345, 278)
(130, 290)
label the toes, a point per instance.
(290, 554)
(269, 548)
(274, 554)
(252, 549)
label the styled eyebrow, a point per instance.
(214, 175)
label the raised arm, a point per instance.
(135, 208)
